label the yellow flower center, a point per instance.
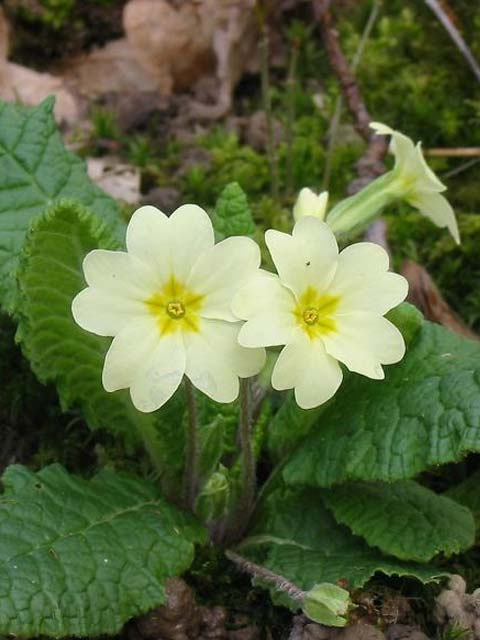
(176, 307)
(314, 312)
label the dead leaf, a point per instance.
(425, 295)
(120, 180)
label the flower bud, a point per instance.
(310, 204)
(327, 604)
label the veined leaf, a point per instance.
(403, 519)
(232, 215)
(297, 537)
(59, 350)
(425, 413)
(35, 171)
(291, 424)
(80, 558)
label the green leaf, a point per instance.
(403, 519)
(425, 413)
(58, 349)
(232, 215)
(291, 424)
(80, 558)
(35, 171)
(297, 537)
(468, 494)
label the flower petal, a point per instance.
(148, 238)
(401, 146)
(118, 273)
(437, 208)
(362, 282)
(220, 272)
(191, 233)
(305, 366)
(268, 329)
(306, 258)
(104, 314)
(215, 360)
(160, 375)
(364, 341)
(129, 350)
(263, 292)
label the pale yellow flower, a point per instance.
(325, 307)
(167, 302)
(416, 183)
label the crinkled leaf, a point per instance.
(297, 537)
(403, 519)
(80, 558)
(35, 171)
(60, 351)
(291, 424)
(425, 413)
(232, 215)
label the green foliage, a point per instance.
(232, 215)
(60, 351)
(416, 72)
(403, 519)
(412, 237)
(425, 413)
(37, 171)
(296, 537)
(290, 424)
(80, 558)
(231, 161)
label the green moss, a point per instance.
(455, 269)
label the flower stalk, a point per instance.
(192, 450)
(247, 456)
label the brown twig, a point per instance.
(460, 152)
(370, 164)
(423, 291)
(455, 35)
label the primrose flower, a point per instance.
(415, 181)
(167, 302)
(310, 204)
(325, 307)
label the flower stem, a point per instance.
(192, 448)
(248, 457)
(265, 574)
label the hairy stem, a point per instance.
(192, 453)
(248, 457)
(265, 574)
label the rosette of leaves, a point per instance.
(81, 557)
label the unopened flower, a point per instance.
(325, 307)
(415, 181)
(310, 204)
(167, 302)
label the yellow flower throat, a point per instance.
(314, 312)
(176, 307)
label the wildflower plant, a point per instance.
(158, 330)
